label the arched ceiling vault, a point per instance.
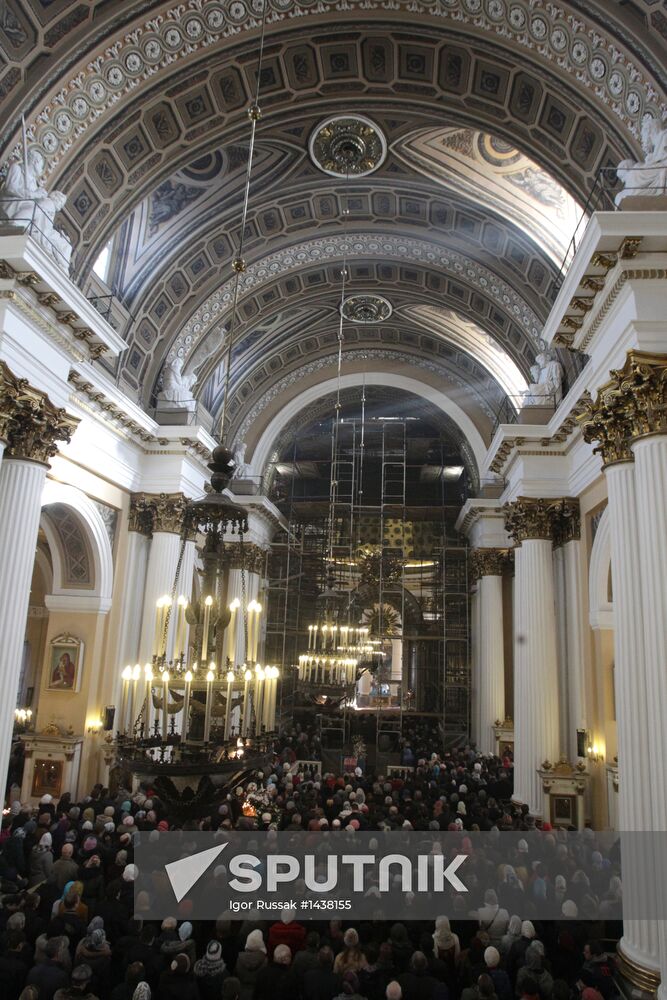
(142, 119)
(308, 343)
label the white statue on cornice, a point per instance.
(25, 203)
(547, 387)
(241, 468)
(176, 386)
(647, 176)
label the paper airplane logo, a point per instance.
(185, 873)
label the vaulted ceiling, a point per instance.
(497, 116)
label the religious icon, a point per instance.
(47, 777)
(64, 665)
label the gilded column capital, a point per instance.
(37, 427)
(141, 515)
(567, 521)
(245, 555)
(631, 405)
(11, 390)
(168, 512)
(488, 562)
(643, 385)
(529, 518)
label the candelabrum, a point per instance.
(198, 688)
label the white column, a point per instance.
(636, 745)
(163, 556)
(21, 485)
(561, 640)
(651, 490)
(574, 644)
(474, 665)
(535, 670)
(132, 596)
(491, 659)
(184, 587)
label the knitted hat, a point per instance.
(181, 964)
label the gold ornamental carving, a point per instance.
(631, 405)
(141, 515)
(169, 512)
(245, 555)
(567, 522)
(37, 427)
(488, 562)
(556, 520)
(11, 390)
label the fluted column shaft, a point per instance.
(491, 660)
(651, 490)
(132, 598)
(163, 556)
(21, 485)
(574, 645)
(535, 670)
(474, 665)
(640, 938)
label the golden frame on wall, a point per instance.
(64, 663)
(47, 778)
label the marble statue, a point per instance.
(177, 387)
(241, 468)
(25, 203)
(647, 177)
(547, 386)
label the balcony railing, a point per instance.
(26, 215)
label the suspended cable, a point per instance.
(238, 262)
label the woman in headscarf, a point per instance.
(351, 958)
(445, 943)
(41, 861)
(513, 934)
(249, 963)
(534, 969)
(210, 971)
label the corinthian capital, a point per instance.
(528, 518)
(141, 515)
(37, 426)
(567, 522)
(632, 404)
(168, 511)
(245, 555)
(488, 562)
(643, 384)
(11, 390)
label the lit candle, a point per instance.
(186, 705)
(247, 677)
(136, 674)
(148, 674)
(228, 706)
(210, 677)
(165, 705)
(181, 626)
(122, 720)
(259, 697)
(230, 633)
(270, 711)
(157, 639)
(207, 620)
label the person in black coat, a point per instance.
(322, 983)
(177, 982)
(417, 983)
(49, 976)
(13, 965)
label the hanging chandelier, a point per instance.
(197, 671)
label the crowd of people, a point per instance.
(70, 929)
